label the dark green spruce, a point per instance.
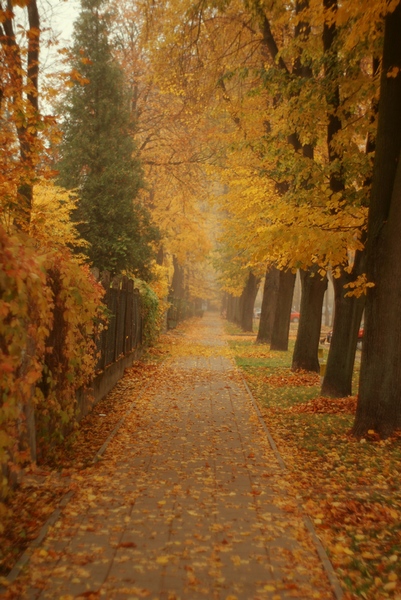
(98, 153)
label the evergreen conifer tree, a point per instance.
(98, 154)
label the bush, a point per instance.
(70, 355)
(49, 306)
(25, 321)
(150, 306)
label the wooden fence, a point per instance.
(123, 334)
(119, 344)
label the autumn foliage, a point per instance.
(50, 304)
(48, 308)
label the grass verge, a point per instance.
(351, 489)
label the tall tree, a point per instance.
(269, 303)
(19, 109)
(168, 134)
(337, 381)
(282, 317)
(98, 154)
(313, 288)
(248, 298)
(379, 406)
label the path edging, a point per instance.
(26, 556)
(328, 567)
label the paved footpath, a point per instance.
(188, 502)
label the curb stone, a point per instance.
(25, 557)
(328, 567)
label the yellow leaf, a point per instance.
(393, 72)
(390, 586)
(339, 549)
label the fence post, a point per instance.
(128, 329)
(104, 279)
(115, 285)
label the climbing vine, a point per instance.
(49, 307)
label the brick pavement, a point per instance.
(188, 501)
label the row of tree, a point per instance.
(77, 192)
(285, 113)
(295, 110)
(113, 140)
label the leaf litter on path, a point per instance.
(187, 502)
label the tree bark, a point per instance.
(379, 406)
(337, 382)
(26, 113)
(269, 303)
(248, 298)
(177, 284)
(333, 99)
(307, 343)
(230, 308)
(281, 326)
(233, 309)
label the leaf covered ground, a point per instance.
(41, 487)
(188, 500)
(350, 488)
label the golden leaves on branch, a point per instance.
(359, 287)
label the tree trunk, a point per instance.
(237, 310)
(326, 303)
(269, 303)
(307, 344)
(379, 405)
(248, 298)
(177, 284)
(23, 71)
(233, 309)
(281, 326)
(230, 308)
(337, 382)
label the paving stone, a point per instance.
(190, 505)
